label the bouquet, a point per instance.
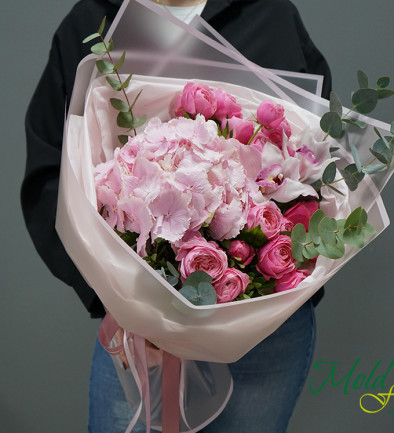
(213, 203)
(167, 194)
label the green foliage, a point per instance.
(254, 237)
(329, 173)
(327, 236)
(331, 123)
(123, 139)
(352, 176)
(197, 289)
(104, 67)
(365, 100)
(125, 118)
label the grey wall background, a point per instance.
(46, 336)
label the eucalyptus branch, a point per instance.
(126, 118)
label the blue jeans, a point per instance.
(267, 383)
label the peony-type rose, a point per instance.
(197, 99)
(227, 106)
(302, 212)
(230, 285)
(242, 251)
(269, 114)
(268, 216)
(275, 258)
(291, 280)
(198, 254)
(238, 128)
(275, 134)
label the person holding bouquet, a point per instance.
(269, 379)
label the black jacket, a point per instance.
(268, 32)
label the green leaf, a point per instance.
(114, 83)
(332, 251)
(123, 139)
(331, 123)
(120, 105)
(335, 104)
(91, 37)
(374, 168)
(98, 49)
(333, 149)
(138, 121)
(351, 176)
(126, 82)
(355, 122)
(384, 148)
(104, 67)
(129, 237)
(327, 229)
(102, 25)
(336, 190)
(197, 277)
(310, 251)
(384, 93)
(254, 237)
(125, 120)
(298, 240)
(204, 294)
(313, 227)
(362, 79)
(392, 127)
(356, 156)
(357, 219)
(379, 156)
(110, 45)
(383, 82)
(172, 270)
(329, 173)
(172, 280)
(365, 100)
(120, 62)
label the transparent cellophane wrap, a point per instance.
(139, 299)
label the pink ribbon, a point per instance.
(170, 375)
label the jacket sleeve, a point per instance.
(44, 132)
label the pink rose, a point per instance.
(241, 129)
(242, 251)
(287, 225)
(302, 212)
(227, 106)
(269, 113)
(275, 258)
(275, 134)
(230, 285)
(198, 99)
(291, 280)
(198, 254)
(268, 216)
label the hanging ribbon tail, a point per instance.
(170, 386)
(142, 367)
